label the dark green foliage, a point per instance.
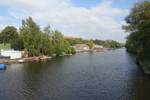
(112, 44)
(73, 51)
(138, 21)
(109, 43)
(8, 35)
(5, 46)
(47, 30)
(58, 42)
(47, 42)
(17, 44)
(74, 41)
(138, 25)
(31, 35)
(98, 42)
(90, 43)
(34, 41)
(61, 45)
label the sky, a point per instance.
(89, 19)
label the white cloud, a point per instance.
(96, 22)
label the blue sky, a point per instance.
(86, 3)
(92, 3)
(91, 19)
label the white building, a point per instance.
(81, 47)
(12, 54)
(98, 46)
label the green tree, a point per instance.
(111, 44)
(8, 35)
(18, 44)
(90, 44)
(35, 41)
(74, 41)
(58, 42)
(61, 45)
(31, 35)
(98, 42)
(138, 24)
(47, 47)
(47, 30)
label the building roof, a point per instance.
(81, 45)
(98, 46)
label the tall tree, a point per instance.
(47, 30)
(31, 35)
(138, 23)
(90, 44)
(58, 42)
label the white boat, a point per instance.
(49, 57)
(21, 60)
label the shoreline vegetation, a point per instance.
(42, 44)
(138, 42)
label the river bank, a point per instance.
(43, 57)
(30, 59)
(144, 65)
(22, 60)
(142, 62)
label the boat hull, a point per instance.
(2, 66)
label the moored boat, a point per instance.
(21, 60)
(2, 66)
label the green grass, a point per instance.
(5, 46)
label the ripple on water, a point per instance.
(111, 75)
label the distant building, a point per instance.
(81, 47)
(98, 48)
(12, 54)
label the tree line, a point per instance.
(138, 24)
(105, 43)
(35, 41)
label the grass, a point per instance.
(5, 46)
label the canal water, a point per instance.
(111, 75)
